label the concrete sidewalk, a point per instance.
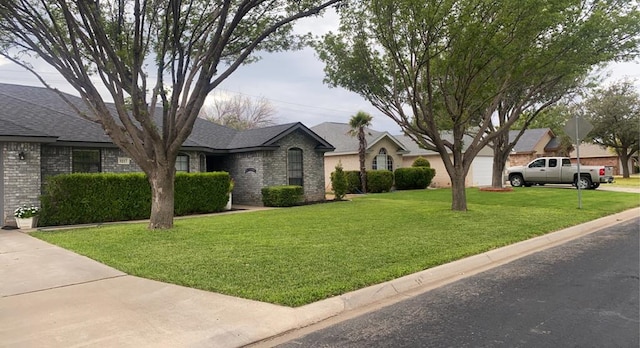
(51, 297)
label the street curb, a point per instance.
(396, 290)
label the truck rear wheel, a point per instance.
(595, 185)
(516, 180)
(583, 183)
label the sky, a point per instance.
(291, 81)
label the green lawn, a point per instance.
(299, 255)
(632, 181)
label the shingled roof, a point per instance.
(38, 114)
(530, 139)
(338, 135)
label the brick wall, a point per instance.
(21, 183)
(313, 166)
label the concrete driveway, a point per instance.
(51, 297)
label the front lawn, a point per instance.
(632, 181)
(299, 255)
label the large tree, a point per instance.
(239, 112)
(451, 64)
(158, 60)
(359, 123)
(614, 112)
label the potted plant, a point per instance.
(27, 216)
(231, 185)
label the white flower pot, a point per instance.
(228, 207)
(27, 223)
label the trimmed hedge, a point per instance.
(353, 181)
(421, 162)
(339, 182)
(89, 198)
(282, 196)
(379, 181)
(413, 178)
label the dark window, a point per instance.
(294, 166)
(539, 163)
(182, 163)
(86, 161)
(566, 162)
(553, 162)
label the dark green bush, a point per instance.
(339, 182)
(282, 196)
(379, 181)
(353, 181)
(89, 198)
(421, 162)
(413, 178)
(198, 193)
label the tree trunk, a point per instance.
(499, 162)
(458, 191)
(362, 152)
(624, 158)
(162, 181)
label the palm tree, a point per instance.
(358, 123)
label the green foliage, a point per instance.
(614, 112)
(379, 181)
(421, 162)
(353, 181)
(198, 193)
(461, 62)
(413, 178)
(282, 196)
(71, 199)
(339, 182)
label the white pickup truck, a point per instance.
(558, 170)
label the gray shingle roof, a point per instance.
(529, 139)
(40, 112)
(337, 134)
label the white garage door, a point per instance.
(481, 169)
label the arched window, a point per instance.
(382, 161)
(182, 162)
(294, 166)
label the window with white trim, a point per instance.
(382, 161)
(294, 167)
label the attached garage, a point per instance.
(481, 170)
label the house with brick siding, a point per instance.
(41, 136)
(542, 142)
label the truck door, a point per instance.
(537, 171)
(553, 171)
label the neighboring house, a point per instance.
(386, 151)
(533, 143)
(40, 136)
(542, 142)
(596, 155)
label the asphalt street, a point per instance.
(584, 293)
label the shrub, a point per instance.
(339, 182)
(413, 178)
(89, 198)
(282, 196)
(421, 162)
(198, 193)
(379, 181)
(353, 181)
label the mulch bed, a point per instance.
(497, 189)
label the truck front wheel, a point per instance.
(583, 183)
(516, 180)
